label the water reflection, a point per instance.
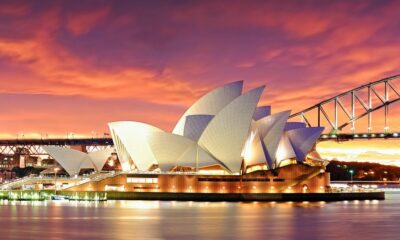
(188, 220)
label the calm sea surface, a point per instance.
(195, 220)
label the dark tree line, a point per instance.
(363, 171)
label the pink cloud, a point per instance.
(82, 22)
(57, 71)
(13, 9)
(304, 53)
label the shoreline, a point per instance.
(198, 197)
(238, 197)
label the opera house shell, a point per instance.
(225, 129)
(224, 143)
(73, 161)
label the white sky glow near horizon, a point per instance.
(378, 151)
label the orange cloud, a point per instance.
(82, 22)
(301, 23)
(303, 52)
(62, 73)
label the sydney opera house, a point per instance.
(224, 143)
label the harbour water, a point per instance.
(200, 220)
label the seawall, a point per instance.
(233, 197)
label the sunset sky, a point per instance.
(73, 66)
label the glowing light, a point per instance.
(126, 165)
(247, 152)
(212, 172)
(111, 163)
(141, 204)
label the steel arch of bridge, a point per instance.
(335, 127)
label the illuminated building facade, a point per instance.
(224, 143)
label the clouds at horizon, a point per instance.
(385, 152)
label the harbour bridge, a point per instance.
(350, 115)
(339, 115)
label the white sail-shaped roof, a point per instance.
(223, 127)
(294, 125)
(270, 129)
(261, 112)
(131, 140)
(195, 156)
(123, 156)
(172, 150)
(285, 150)
(211, 103)
(195, 125)
(99, 158)
(71, 160)
(303, 140)
(87, 163)
(167, 148)
(254, 152)
(227, 132)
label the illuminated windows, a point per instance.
(141, 180)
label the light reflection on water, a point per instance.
(201, 220)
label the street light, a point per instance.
(55, 180)
(351, 171)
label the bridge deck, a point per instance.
(58, 141)
(109, 141)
